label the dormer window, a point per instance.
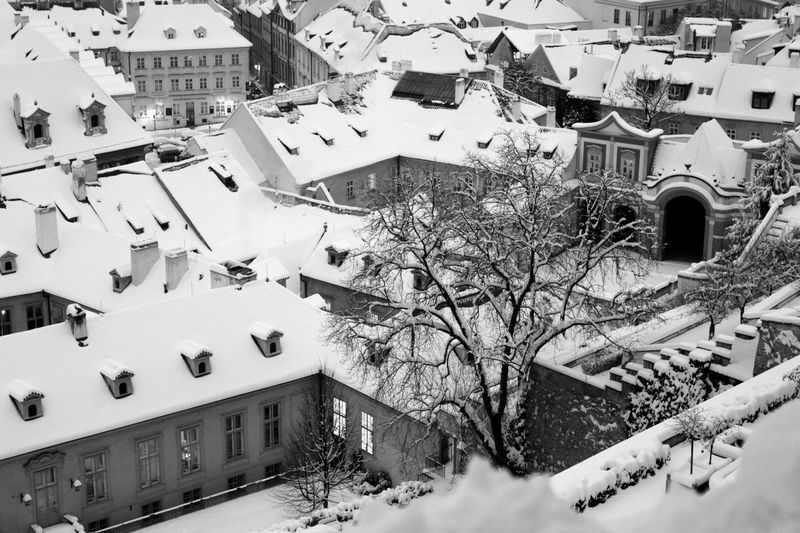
(337, 253)
(291, 146)
(435, 132)
(646, 86)
(116, 28)
(197, 357)
(95, 29)
(94, 116)
(485, 140)
(27, 399)
(420, 280)
(36, 127)
(267, 338)
(118, 378)
(8, 262)
(169, 32)
(326, 137)
(199, 32)
(679, 91)
(360, 129)
(121, 278)
(762, 99)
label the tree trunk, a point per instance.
(712, 327)
(711, 450)
(691, 456)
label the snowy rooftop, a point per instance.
(527, 13)
(58, 86)
(150, 35)
(593, 73)
(531, 13)
(149, 339)
(94, 28)
(395, 127)
(564, 58)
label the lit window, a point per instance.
(367, 436)
(190, 449)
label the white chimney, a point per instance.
(65, 166)
(405, 64)
(737, 54)
(794, 59)
(132, 8)
(307, 34)
(90, 164)
(463, 73)
(350, 83)
(79, 180)
(551, 117)
(177, 264)
(322, 42)
(516, 108)
(638, 33)
(49, 161)
(337, 53)
(461, 85)
(17, 110)
(144, 255)
(334, 89)
(76, 319)
(46, 229)
(613, 36)
(396, 66)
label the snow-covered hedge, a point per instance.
(618, 473)
(400, 495)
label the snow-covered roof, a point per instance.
(621, 123)
(114, 370)
(396, 127)
(264, 331)
(193, 350)
(148, 34)
(58, 86)
(22, 390)
(316, 265)
(94, 28)
(564, 58)
(78, 403)
(430, 11)
(531, 13)
(593, 72)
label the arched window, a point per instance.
(33, 411)
(123, 389)
(38, 131)
(201, 367)
(7, 265)
(273, 347)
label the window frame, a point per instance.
(271, 426)
(230, 435)
(35, 318)
(6, 320)
(339, 417)
(93, 474)
(195, 448)
(156, 439)
(367, 433)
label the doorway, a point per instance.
(190, 113)
(45, 485)
(684, 229)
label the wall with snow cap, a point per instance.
(779, 341)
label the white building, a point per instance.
(188, 64)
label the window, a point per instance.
(234, 437)
(672, 128)
(731, 134)
(187, 61)
(755, 135)
(157, 62)
(114, 56)
(141, 86)
(174, 85)
(149, 462)
(351, 189)
(678, 91)
(627, 163)
(339, 417)
(96, 525)
(149, 510)
(367, 432)
(5, 321)
(627, 18)
(594, 159)
(650, 18)
(204, 83)
(235, 484)
(190, 449)
(616, 16)
(272, 425)
(217, 60)
(45, 487)
(762, 100)
(204, 108)
(140, 63)
(158, 85)
(173, 61)
(189, 84)
(234, 59)
(35, 315)
(235, 82)
(94, 477)
(218, 83)
(646, 86)
(38, 131)
(191, 500)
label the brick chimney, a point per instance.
(133, 13)
(144, 255)
(516, 108)
(46, 229)
(334, 88)
(50, 161)
(79, 180)
(90, 164)
(461, 86)
(76, 319)
(350, 83)
(176, 262)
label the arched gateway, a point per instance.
(684, 229)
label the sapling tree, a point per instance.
(692, 424)
(644, 99)
(480, 273)
(714, 426)
(712, 295)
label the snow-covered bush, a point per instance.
(400, 496)
(605, 359)
(368, 483)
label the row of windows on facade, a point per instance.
(190, 450)
(681, 91)
(188, 61)
(175, 109)
(188, 84)
(34, 318)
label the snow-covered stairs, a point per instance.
(778, 227)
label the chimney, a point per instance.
(79, 180)
(65, 166)
(50, 161)
(638, 33)
(17, 110)
(132, 8)
(23, 20)
(613, 35)
(334, 88)
(322, 42)
(307, 34)
(516, 108)
(461, 85)
(463, 73)
(337, 53)
(177, 264)
(551, 117)
(737, 54)
(794, 59)
(144, 255)
(90, 164)
(46, 229)
(405, 64)
(396, 66)
(76, 319)
(350, 83)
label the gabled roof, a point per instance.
(613, 122)
(427, 88)
(94, 28)
(530, 13)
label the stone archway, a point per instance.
(684, 229)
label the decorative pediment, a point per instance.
(91, 104)
(45, 458)
(613, 125)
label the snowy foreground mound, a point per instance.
(763, 498)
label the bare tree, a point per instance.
(714, 426)
(482, 272)
(321, 455)
(647, 99)
(692, 423)
(712, 295)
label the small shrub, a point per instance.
(606, 359)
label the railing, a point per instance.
(192, 506)
(433, 468)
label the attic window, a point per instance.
(94, 116)
(8, 263)
(291, 146)
(35, 125)
(337, 254)
(95, 29)
(27, 399)
(470, 53)
(435, 132)
(646, 86)
(197, 358)
(485, 140)
(224, 175)
(116, 28)
(421, 280)
(169, 32)
(118, 378)
(326, 137)
(360, 130)
(679, 91)
(267, 338)
(762, 99)
(121, 278)
(199, 32)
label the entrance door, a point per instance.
(684, 229)
(45, 485)
(190, 113)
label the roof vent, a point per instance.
(76, 318)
